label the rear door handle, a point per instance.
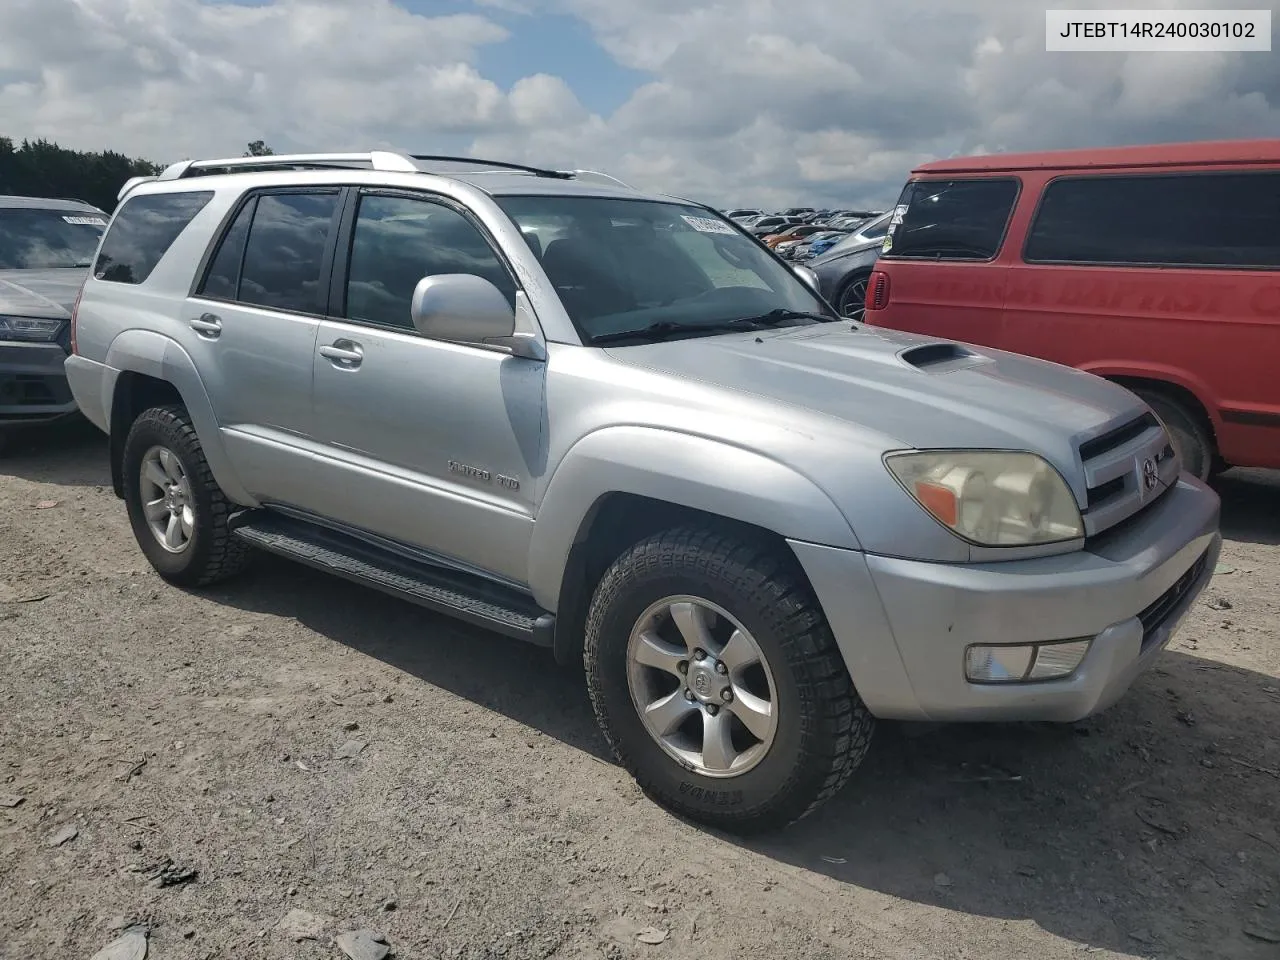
(343, 353)
(207, 325)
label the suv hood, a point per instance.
(40, 293)
(913, 391)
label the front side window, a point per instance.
(621, 265)
(142, 232)
(284, 257)
(1217, 220)
(399, 240)
(38, 239)
(950, 219)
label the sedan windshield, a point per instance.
(37, 239)
(622, 265)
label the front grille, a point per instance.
(1154, 616)
(1113, 462)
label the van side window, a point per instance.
(1198, 219)
(142, 231)
(952, 219)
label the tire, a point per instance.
(208, 553)
(1192, 440)
(821, 729)
(849, 302)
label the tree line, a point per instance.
(40, 168)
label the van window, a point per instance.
(1205, 219)
(951, 219)
(142, 231)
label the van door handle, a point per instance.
(207, 325)
(344, 353)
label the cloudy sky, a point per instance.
(729, 101)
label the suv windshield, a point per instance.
(36, 239)
(621, 265)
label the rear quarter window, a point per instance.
(1190, 219)
(142, 231)
(951, 219)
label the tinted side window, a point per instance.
(1222, 220)
(952, 219)
(284, 257)
(142, 231)
(397, 241)
(222, 282)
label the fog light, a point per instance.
(1023, 663)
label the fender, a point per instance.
(158, 356)
(679, 469)
(1159, 372)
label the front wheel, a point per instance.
(717, 681)
(1191, 439)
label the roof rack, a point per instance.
(496, 164)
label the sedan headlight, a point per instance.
(991, 498)
(29, 329)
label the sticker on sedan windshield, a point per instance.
(86, 221)
(707, 225)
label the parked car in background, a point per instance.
(767, 226)
(817, 244)
(843, 273)
(796, 232)
(743, 213)
(1156, 266)
(46, 248)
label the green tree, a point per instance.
(40, 168)
(258, 148)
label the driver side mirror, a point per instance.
(462, 308)
(807, 275)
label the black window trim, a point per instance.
(1156, 265)
(345, 235)
(111, 221)
(1004, 233)
(342, 191)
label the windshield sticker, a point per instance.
(888, 240)
(86, 221)
(707, 225)
(899, 213)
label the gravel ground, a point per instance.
(293, 743)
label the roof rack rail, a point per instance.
(375, 160)
(597, 176)
(495, 164)
(131, 183)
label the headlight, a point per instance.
(29, 329)
(991, 498)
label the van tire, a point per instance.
(1191, 438)
(211, 554)
(823, 728)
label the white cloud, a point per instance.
(745, 101)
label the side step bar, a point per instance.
(473, 599)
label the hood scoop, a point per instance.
(941, 357)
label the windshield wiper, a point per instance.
(654, 331)
(775, 317)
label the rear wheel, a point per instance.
(852, 300)
(178, 513)
(717, 681)
(1192, 439)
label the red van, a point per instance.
(1157, 267)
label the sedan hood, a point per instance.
(40, 293)
(912, 391)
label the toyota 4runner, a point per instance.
(614, 425)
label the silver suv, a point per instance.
(614, 425)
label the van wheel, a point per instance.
(1192, 441)
(718, 684)
(178, 513)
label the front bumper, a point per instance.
(903, 626)
(33, 384)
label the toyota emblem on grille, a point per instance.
(1149, 476)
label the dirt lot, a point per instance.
(193, 741)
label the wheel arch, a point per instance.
(1175, 389)
(154, 370)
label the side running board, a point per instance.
(470, 598)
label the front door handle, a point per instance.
(343, 353)
(207, 325)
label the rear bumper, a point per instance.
(33, 384)
(904, 625)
